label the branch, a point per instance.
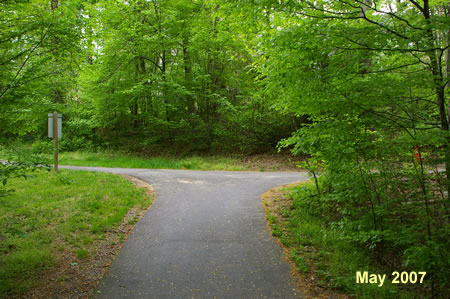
(382, 26)
(311, 6)
(327, 17)
(23, 64)
(366, 47)
(429, 128)
(421, 61)
(416, 4)
(413, 99)
(16, 56)
(392, 15)
(151, 25)
(154, 63)
(30, 80)
(372, 111)
(115, 70)
(392, 69)
(361, 16)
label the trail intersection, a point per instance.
(205, 236)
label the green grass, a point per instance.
(123, 160)
(315, 246)
(50, 213)
(112, 159)
(109, 158)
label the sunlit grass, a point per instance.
(112, 159)
(120, 159)
(50, 213)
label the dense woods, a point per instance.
(161, 73)
(359, 88)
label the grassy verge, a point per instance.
(116, 159)
(326, 259)
(61, 221)
(113, 159)
(109, 158)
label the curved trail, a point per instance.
(205, 236)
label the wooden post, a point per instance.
(55, 139)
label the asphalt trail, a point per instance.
(205, 236)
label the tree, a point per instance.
(171, 73)
(369, 75)
(40, 45)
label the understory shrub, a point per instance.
(387, 201)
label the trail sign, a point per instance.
(55, 132)
(51, 123)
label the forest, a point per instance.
(357, 90)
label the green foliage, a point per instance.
(379, 202)
(171, 73)
(368, 77)
(335, 257)
(39, 53)
(77, 135)
(42, 147)
(82, 253)
(299, 261)
(363, 84)
(19, 164)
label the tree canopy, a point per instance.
(358, 88)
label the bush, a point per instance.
(19, 164)
(76, 144)
(387, 203)
(42, 147)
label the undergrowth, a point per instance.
(323, 250)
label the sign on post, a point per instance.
(55, 132)
(50, 125)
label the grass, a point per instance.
(49, 214)
(114, 159)
(319, 251)
(109, 158)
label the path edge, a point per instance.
(307, 287)
(138, 183)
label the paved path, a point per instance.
(204, 237)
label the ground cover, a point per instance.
(115, 159)
(59, 232)
(325, 260)
(126, 159)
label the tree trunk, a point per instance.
(440, 91)
(187, 73)
(56, 93)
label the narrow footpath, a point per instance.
(205, 236)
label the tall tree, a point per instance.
(40, 46)
(369, 75)
(172, 72)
